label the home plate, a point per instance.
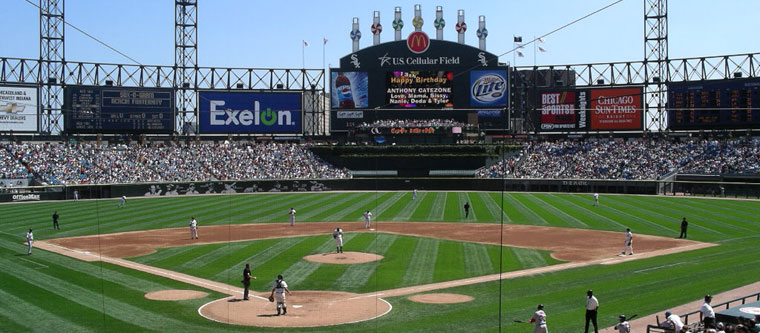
(297, 306)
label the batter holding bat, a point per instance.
(539, 318)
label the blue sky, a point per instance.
(269, 34)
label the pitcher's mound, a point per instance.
(305, 309)
(175, 295)
(441, 298)
(343, 258)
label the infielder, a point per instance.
(278, 291)
(596, 199)
(123, 201)
(292, 214)
(539, 317)
(29, 241)
(338, 237)
(367, 219)
(623, 326)
(628, 242)
(193, 228)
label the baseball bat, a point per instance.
(521, 321)
(634, 316)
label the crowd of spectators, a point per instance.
(11, 167)
(627, 159)
(83, 163)
(387, 123)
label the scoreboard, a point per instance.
(721, 104)
(95, 109)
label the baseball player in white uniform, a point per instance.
(672, 321)
(367, 219)
(596, 199)
(193, 228)
(414, 194)
(29, 241)
(338, 237)
(539, 317)
(623, 326)
(628, 242)
(292, 213)
(278, 290)
(123, 201)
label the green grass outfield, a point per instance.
(47, 291)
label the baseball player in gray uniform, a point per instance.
(628, 242)
(292, 213)
(278, 291)
(623, 326)
(539, 317)
(596, 199)
(338, 237)
(193, 228)
(367, 219)
(123, 201)
(29, 241)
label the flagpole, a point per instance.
(534, 51)
(303, 54)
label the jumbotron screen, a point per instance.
(419, 89)
(717, 104)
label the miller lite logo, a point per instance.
(488, 89)
(418, 42)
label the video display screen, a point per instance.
(419, 89)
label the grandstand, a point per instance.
(479, 176)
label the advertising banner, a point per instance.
(412, 89)
(563, 110)
(349, 90)
(616, 109)
(488, 88)
(18, 109)
(95, 109)
(249, 112)
(719, 104)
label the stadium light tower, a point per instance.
(186, 61)
(655, 62)
(51, 64)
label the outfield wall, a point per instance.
(304, 185)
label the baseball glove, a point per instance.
(271, 298)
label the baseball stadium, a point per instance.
(421, 184)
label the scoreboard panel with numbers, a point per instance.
(95, 109)
(721, 104)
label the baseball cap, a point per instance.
(667, 313)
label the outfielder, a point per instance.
(414, 194)
(29, 241)
(367, 219)
(292, 213)
(596, 199)
(539, 317)
(193, 228)
(278, 291)
(123, 201)
(338, 237)
(623, 326)
(628, 242)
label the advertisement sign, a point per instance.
(94, 109)
(720, 104)
(488, 88)
(616, 109)
(419, 89)
(559, 111)
(349, 90)
(249, 112)
(18, 109)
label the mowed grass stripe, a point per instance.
(387, 274)
(437, 207)
(545, 201)
(480, 207)
(746, 212)
(453, 210)
(518, 212)
(670, 213)
(595, 218)
(386, 202)
(537, 207)
(423, 210)
(476, 259)
(405, 207)
(422, 263)
(493, 207)
(351, 210)
(618, 218)
(529, 258)
(239, 254)
(24, 313)
(305, 206)
(727, 218)
(359, 274)
(653, 215)
(259, 258)
(449, 263)
(302, 270)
